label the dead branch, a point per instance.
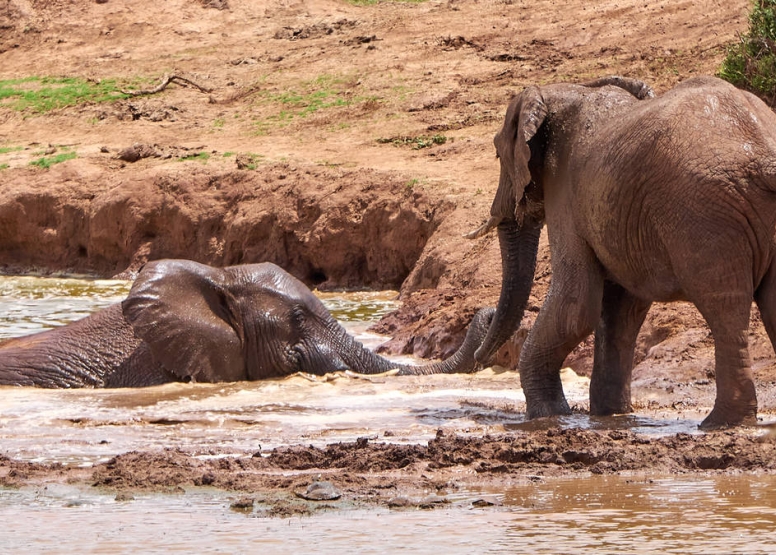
(166, 80)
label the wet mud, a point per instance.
(379, 473)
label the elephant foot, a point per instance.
(610, 407)
(720, 419)
(541, 409)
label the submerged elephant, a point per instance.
(645, 199)
(185, 321)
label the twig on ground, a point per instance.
(166, 80)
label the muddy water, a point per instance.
(590, 515)
(724, 514)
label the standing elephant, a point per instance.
(645, 199)
(185, 321)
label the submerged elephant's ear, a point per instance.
(179, 308)
(525, 115)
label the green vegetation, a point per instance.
(7, 149)
(41, 94)
(249, 161)
(47, 161)
(751, 62)
(310, 97)
(3, 167)
(421, 141)
(198, 156)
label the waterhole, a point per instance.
(595, 514)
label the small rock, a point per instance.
(136, 152)
(320, 491)
(243, 505)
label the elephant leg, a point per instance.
(765, 297)
(622, 315)
(569, 314)
(728, 317)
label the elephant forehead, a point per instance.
(268, 288)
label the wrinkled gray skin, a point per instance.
(185, 321)
(645, 199)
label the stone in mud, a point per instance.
(320, 491)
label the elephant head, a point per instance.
(535, 128)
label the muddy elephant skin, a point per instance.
(185, 321)
(645, 199)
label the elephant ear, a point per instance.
(181, 309)
(524, 117)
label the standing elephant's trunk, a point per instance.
(519, 245)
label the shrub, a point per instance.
(751, 62)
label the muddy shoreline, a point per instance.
(371, 472)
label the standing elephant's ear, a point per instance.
(180, 308)
(525, 115)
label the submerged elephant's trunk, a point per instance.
(360, 359)
(519, 245)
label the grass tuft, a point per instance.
(47, 161)
(43, 94)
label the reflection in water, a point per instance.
(611, 514)
(29, 305)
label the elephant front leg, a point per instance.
(569, 314)
(622, 315)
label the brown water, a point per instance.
(596, 515)
(590, 515)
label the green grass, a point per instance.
(310, 97)
(3, 167)
(7, 149)
(253, 160)
(199, 156)
(421, 141)
(42, 94)
(47, 161)
(750, 63)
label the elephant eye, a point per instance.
(298, 314)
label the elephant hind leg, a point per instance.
(728, 317)
(569, 314)
(622, 315)
(765, 297)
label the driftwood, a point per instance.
(166, 80)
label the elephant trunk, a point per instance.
(519, 244)
(360, 359)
